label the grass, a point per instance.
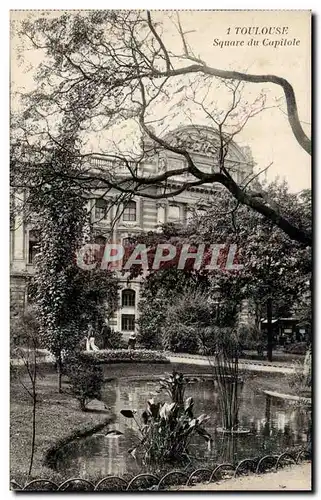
(58, 417)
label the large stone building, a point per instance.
(140, 214)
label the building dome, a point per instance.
(204, 141)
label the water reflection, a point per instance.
(273, 426)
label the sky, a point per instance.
(268, 134)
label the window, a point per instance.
(97, 255)
(128, 298)
(33, 245)
(100, 240)
(101, 207)
(173, 213)
(128, 242)
(128, 322)
(129, 213)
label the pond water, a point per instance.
(274, 426)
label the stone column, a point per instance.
(18, 235)
(161, 214)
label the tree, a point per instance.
(170, 291)
(96, 294)
(275, 273)
(61, 214)
(276, 268)
(161, 290)
(85, 378)
(161, 287)
(67, 298)
(24, 361)
(152, 313)
(106, 69)
(188, 325)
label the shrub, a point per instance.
(23, 325)
(188, 323)
(152, 316)
(124, 356)
(297, 348)
(85, 378)
(116, 340)
(181, 338)
(250, 338)
(108, 338)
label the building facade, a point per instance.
(140, 214)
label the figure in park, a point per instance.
(90, 341)
(132, 341)
(105, 335)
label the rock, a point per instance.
(95, 404)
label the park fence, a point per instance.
(173, 479)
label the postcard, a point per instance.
(160, 250)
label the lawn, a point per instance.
(58, 416)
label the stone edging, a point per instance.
(87, 430)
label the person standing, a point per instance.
(132, 341)
(105, 336)
(90, 344)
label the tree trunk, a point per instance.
(34, 406)
(59, 363)
(258, 330)
(33, 439)
(269, 329)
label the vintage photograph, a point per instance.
(160, 250)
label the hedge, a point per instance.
(125, 356)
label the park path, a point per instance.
(293, 478)
(248, 365)
(259, 366)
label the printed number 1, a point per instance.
(228, 31)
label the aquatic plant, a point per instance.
(166, 429)
(225, 366)
(175, 385)
(230, 385)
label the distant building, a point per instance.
(140, 214)
(286, 330)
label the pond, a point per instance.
(275, 425)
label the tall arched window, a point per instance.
(101, 208)
(173, 213)
(129, 213)
(98, 254)
(128, 298)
